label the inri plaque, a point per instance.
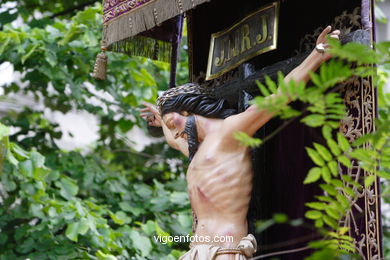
(253, 35)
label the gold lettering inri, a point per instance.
(262, 38)
(241, 40)
(246, 41)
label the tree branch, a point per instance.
(288, 122)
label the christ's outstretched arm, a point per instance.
(252, 119)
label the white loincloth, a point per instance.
(244, 250)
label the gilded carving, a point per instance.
(359, 97)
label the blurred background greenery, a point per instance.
(105, 198)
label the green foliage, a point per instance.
(65, 213)
(56, 61)
(103, 204)
(246, 140)
(325, 108)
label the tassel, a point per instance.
(100, 68)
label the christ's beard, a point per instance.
(192, 136)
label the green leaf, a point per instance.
(334, 100)
(37, 159)
(180, 198)
(315, 78)
(325, 154)
(332, 213)
(26, 168)
(29, 53)
(327, 132)
(330, 222)
(313, 175)
(102, 256)
(326, 174)
(343, 201)
(125, 125)
(383, 174)
(343, 230)
(369, 181)
(4, 45)
(147, 79)
(325, 198)
(362, 155)
(314, 120)
(20, 153)
(289, 113)
(346, 238)
(271, 84)
(318, 223)
(120, 218)
(68, 187)
(83, 226)
(4, 131)
(313, 214)
(338, 207)
(72, 231)
(344, 161)
(334, 148)
(159, 230)
(296, 222)
(280, 218)
(37, 210)
(315, 157)
(337, 183)
(349, 248)
(149, 227)
(329, 189)
(263, 225)
(51, 57)
(140, 243)
(317, 205)
(11, 158)
(333, 166)
(246, 140)
(282, 83)
(362, 140)
(349, 191)
(343, 142)
(143, 190)
(264, 91)
(349, 180)
(356, 52)
(130, 99)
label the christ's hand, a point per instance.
(151, 114)
(322, 45)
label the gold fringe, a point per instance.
(100, 68)
(145, 47)
(145, 18)
(119, 34)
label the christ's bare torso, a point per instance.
(219, 185)
(220, 175)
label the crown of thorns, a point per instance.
(189, 88)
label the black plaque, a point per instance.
(253, 35)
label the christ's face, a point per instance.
(176, 123)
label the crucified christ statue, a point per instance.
(220, 174)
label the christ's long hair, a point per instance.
(198, 104)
